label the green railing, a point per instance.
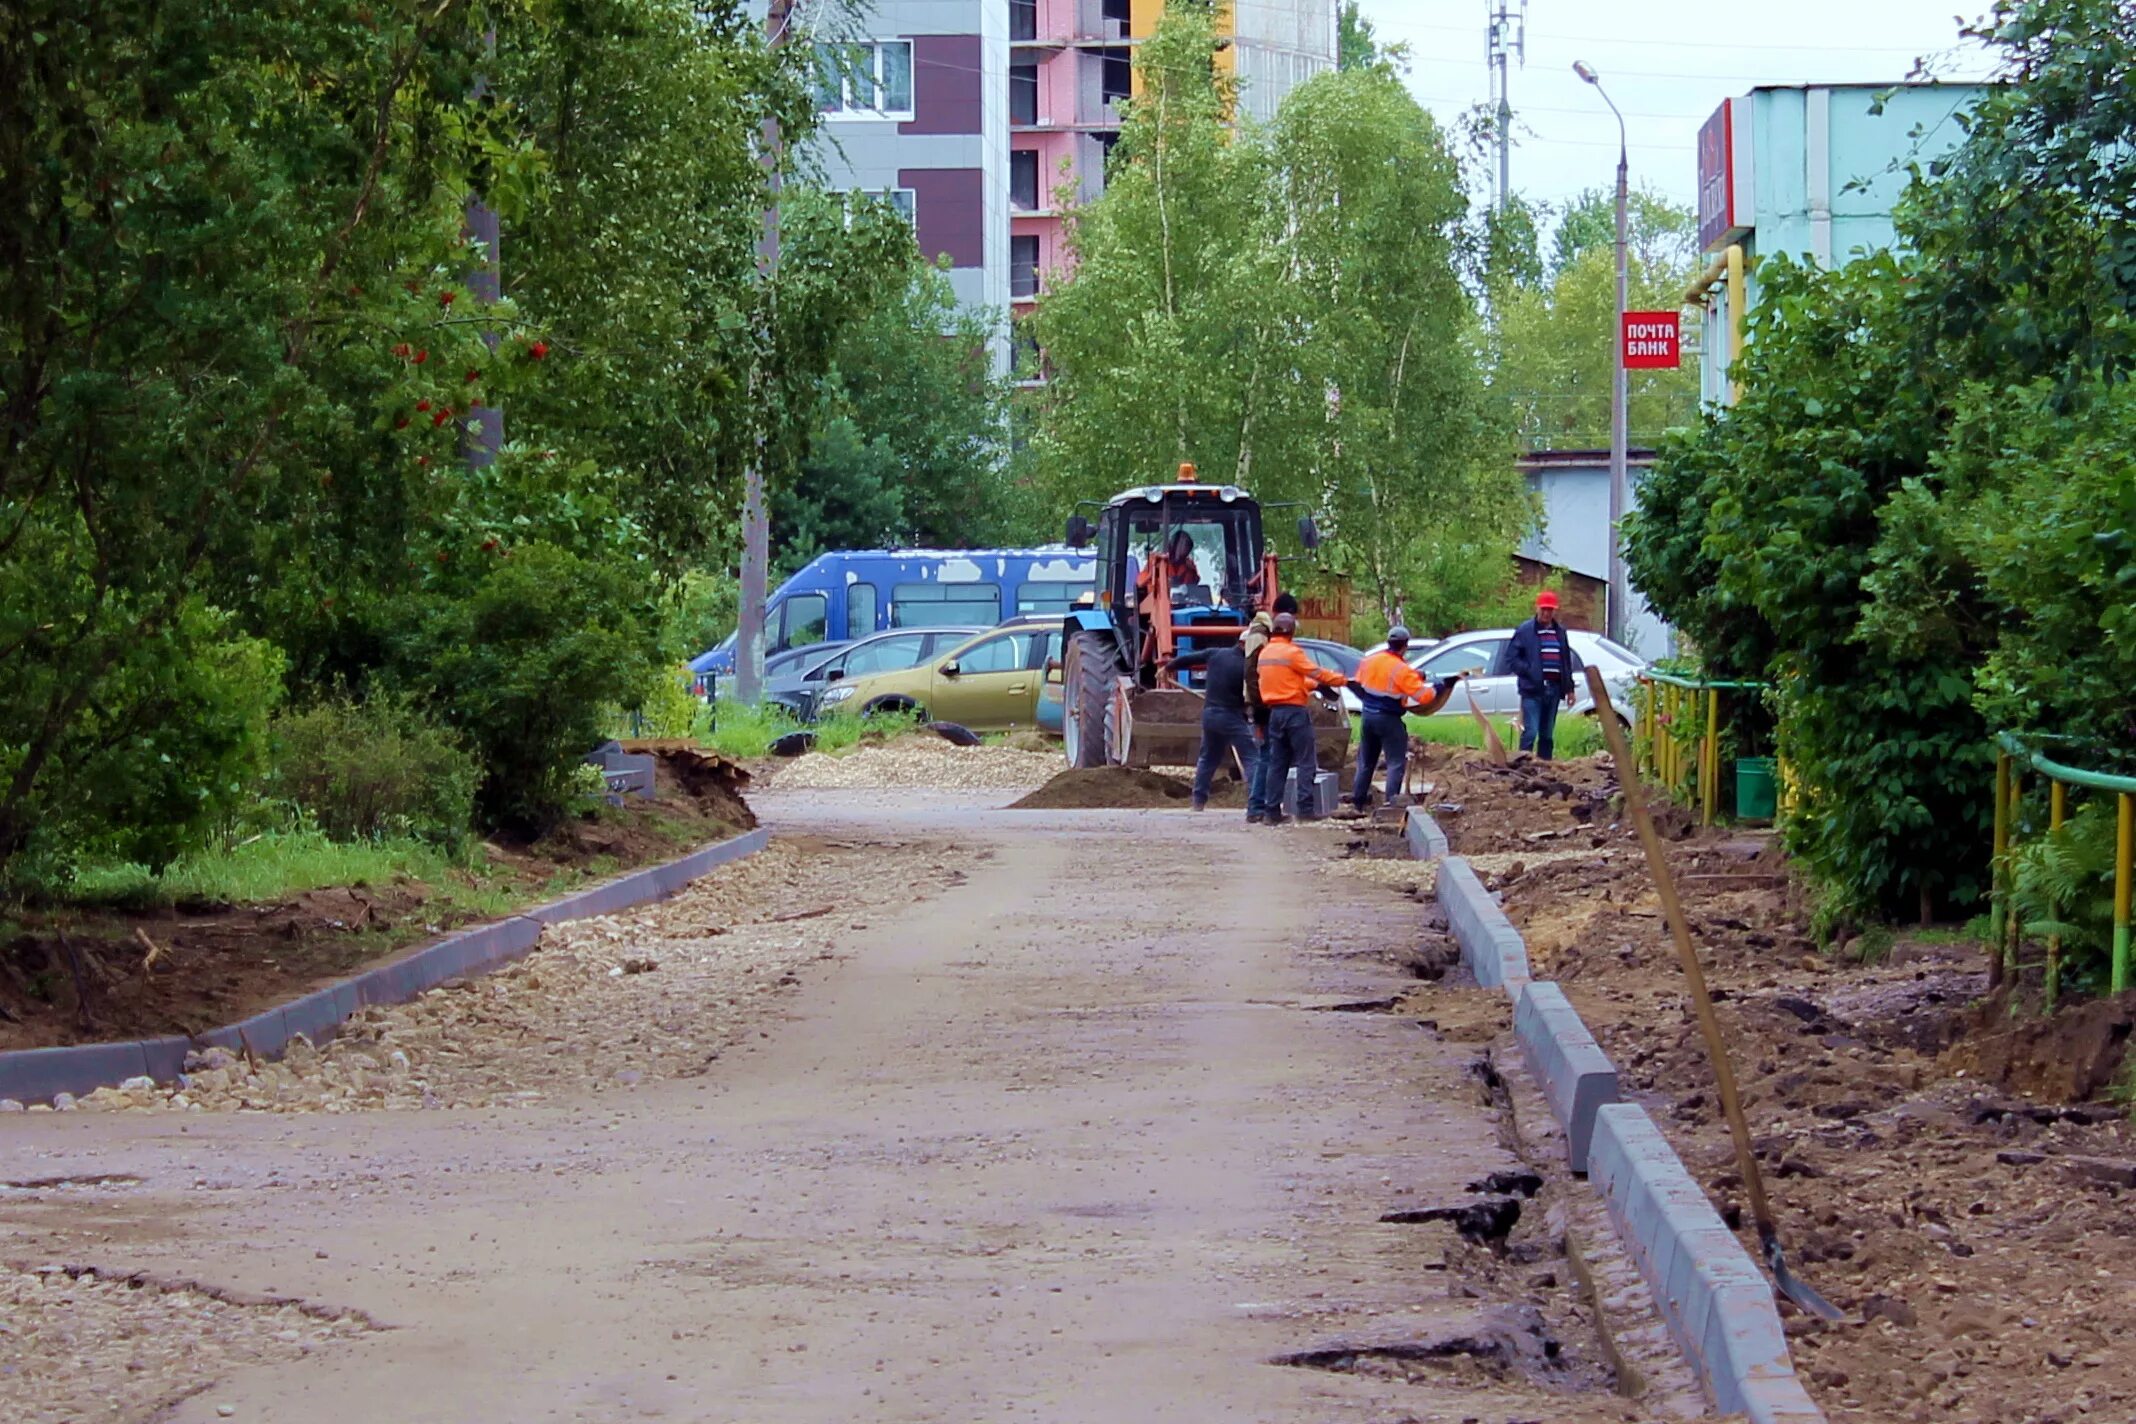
(2012, 758)
(1667, 702)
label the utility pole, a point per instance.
(756, 525)
(1620, 387)
(482, 431)
(1508, 36)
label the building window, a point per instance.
(868, 81)
(1023, 180)
(1023, 267)
(899, 198)
(1023, 19)
(1023, 93)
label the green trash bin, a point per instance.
(1757, 793)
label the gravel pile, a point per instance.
(80, 1348)
(920, 762)
(602, 1003)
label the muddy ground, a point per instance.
(1937, 1172)
(84, 975)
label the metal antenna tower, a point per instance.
(1508, 38)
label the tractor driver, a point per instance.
(1181, 569)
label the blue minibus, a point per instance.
(852, 593)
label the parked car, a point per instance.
(1337, 657)
(800, 690)
(988, 682)
(778, 665)
(1482, 654)
(851, 593)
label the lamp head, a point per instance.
(1586, 71)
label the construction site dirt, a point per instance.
(915, 1116)
(1941, 1164)
(81, 974)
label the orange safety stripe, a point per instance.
(1288, 674)
(1390, 676)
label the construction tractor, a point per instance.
(1181, 567)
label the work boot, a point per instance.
(1253, 818)
(1274, 818)
(1201, 806)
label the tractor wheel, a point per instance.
(1088, 671)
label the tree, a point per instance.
(238, 353)
(1658, 234)
(1555, 340)
(910, 440)
(1281, 307)
(1914, 520)
(1357, 44)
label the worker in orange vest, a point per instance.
(1389, 689)
(1288, 677)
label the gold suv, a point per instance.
(988, 682)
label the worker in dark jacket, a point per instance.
(1546, 672)
(1225, 732)
(1256, 638)
(1289, 677)
(1388, 689)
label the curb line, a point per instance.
(1490, 946)
(1578, 1079)
(37, 1074)
(1426, 840)
(1714, 1300)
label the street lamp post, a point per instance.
(1620, 391)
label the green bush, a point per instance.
(167, 754)
(665, 706)
(525, 668)
(375, 769)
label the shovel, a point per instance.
(1492, 745)
(1709, 1026)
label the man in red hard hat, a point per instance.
(1546, 670)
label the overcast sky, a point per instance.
(1667, 63)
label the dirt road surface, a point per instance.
(1041, 1132)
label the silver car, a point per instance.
(1482, 655)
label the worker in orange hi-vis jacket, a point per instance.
(1288, 677)
(1389, 688)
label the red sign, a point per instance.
(1650, 341)
(1716, 177)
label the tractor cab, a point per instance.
(1180, 567)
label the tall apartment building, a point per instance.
(917, 108)
(978, 116)
(1071, 66)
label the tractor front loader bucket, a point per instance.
(1162, 727)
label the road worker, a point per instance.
(1226, 734)
(1287, 677)
(1255, 639)
(1388, 687)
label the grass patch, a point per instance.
(275, 866)
(746, 733)
(1575, 736)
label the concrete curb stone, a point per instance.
(1714, 1299)
(1426, 840)
(36, 1074)
(1490, 946)
(1577, 1077)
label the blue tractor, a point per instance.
(1180, 567)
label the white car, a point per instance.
(1481, 654)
